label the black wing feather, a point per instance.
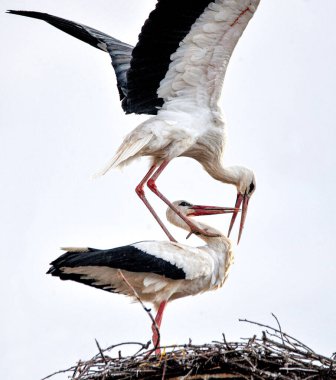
(140, 70)
(127, 258)
(119, 51)
(165, 28)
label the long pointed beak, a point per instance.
(241, 198)
(199, 210)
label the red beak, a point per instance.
(212, 210)
(240, 199)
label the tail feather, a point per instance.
(127, 152)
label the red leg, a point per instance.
(158, 320)
(140, 191)
(151, 184)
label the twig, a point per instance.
(274, 329)
(143, 306)
(298, 369)
(101, 352)
(113, 346)
(278, 323)
(59, 372)
(164, 369)
(225, 342)
(271, 356)
(76, 369)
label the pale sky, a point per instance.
(61, 121)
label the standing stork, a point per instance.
(175, 72)
(155, 271)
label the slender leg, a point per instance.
(158, 320)
(140, 191)
(151, 184)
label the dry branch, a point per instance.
(275, 355)
(144, 308)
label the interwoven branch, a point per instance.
(274, 355)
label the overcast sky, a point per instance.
(61, 121)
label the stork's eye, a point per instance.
(251, 188)
(185, 204)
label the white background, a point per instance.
(60, 122)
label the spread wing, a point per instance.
(199, 65)
(166, 26)
(183, 50)
(119, 51)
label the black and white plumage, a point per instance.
(139, 71)
(176, 72)
(159, 271)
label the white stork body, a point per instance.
(176, 72)
(158, 271)
(196, 269)
(190, 122)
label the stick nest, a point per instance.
(273, 355)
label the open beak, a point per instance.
(241, 199)
(212, 210)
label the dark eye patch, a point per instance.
(251, 188)
(185, 204)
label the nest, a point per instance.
(273, 355)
